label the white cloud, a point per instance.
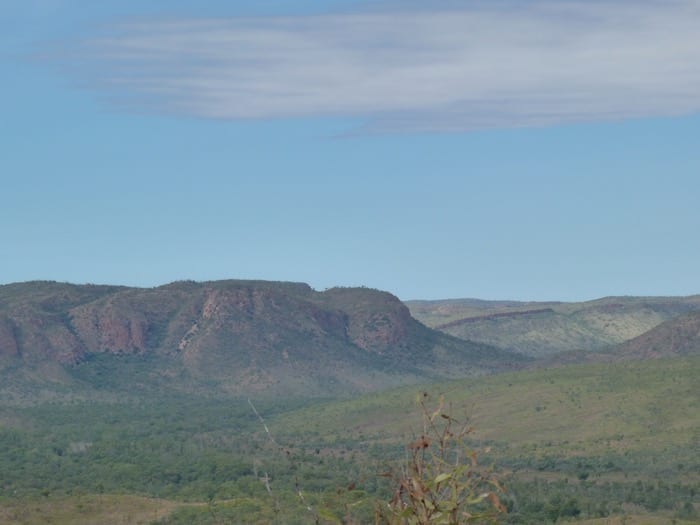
(471, 66)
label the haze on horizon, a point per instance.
(535, 150)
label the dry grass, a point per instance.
(86, 510)
(634, 520)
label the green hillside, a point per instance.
(583, 409)
(602, 435)
(679, 336)
(546, 328)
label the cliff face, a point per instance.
(234, 331)
(106, 329)
(8, 339)
(376, 321)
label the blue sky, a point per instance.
(532, 150)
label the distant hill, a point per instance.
(677, 337)
(235, 337)
(541, 329)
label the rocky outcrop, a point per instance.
(107, 329)
(8, 339)
(245, 334)
(379, 331)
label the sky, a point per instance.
(530, 150)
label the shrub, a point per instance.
(440, 481)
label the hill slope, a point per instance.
(578, 409)
(542, 329)
(228, 336)
(677, 337)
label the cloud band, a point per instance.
(472, 66)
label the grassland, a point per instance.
(606, 440)
(88, 509)
(583, 408)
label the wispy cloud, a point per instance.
(469, 66)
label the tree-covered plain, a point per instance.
(571, 443)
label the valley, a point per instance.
(541, 329)
(115, 409)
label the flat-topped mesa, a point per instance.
(377, 320)
(246, 335)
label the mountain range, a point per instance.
(238, 337)
(542, 329)
(230, 336)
